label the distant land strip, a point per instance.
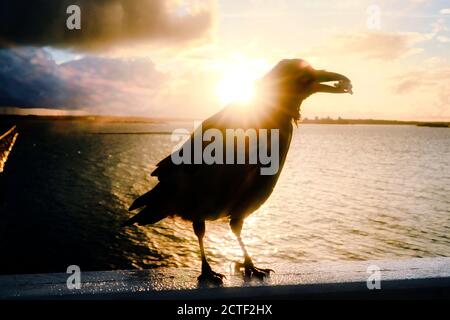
(140, 132)
(128, 119)
(375, 122)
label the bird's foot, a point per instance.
(251, 271)
(208, 276)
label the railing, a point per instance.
(7, 141)
(393, 279)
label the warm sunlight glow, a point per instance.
(237, 79)
(235, 86)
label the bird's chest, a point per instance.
(279, 150)
(238, 189)
(258, 187)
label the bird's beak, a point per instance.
(343, 83)
(325, 76)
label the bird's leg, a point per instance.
(249, 268)
(207, 275)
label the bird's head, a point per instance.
(293, 80)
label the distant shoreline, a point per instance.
(131, 119)
(89, 118)
(440, 124)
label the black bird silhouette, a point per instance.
(199, 192)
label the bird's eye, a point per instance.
(305, 78)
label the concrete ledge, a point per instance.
(410, 278)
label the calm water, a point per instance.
(346, 193)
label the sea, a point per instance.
(347, 192)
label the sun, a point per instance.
(237, 79)
(235, 86)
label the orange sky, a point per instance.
(396, 54)
(399, 66)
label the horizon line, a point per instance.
(131, 118)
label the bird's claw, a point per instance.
(209, 276)
(251, 271)
(258, 272)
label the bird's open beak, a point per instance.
(343, 84)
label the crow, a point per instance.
(208, 191)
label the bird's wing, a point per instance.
(227, 118)
(202, 191)
(216, 187)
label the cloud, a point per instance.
(438, 76)
(433, 80)
(115, 85)
(379, 45)
(373, 45)
(30, 78)
(443, 39)
(445, 11)
(103, 22)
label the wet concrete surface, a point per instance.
(409, 278)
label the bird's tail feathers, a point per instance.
(146, 198)
(157, 207)
(145, 216)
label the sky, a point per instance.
(190, 58)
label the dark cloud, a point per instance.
(115, 85)
(103, 22)
(29, 78)
(138, 71)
